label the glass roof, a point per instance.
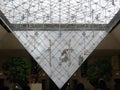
(60, 11)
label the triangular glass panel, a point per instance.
(60, 53)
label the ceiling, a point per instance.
(60, 11)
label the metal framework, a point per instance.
(60, 34)
(60, 11)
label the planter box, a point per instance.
(36, 86)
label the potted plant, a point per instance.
(98, 72)
(17, 70)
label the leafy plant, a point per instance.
(100, 69)
(17, 70)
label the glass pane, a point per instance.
(60, 53)
(60, 11)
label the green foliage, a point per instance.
(17, 70)
(97, 70)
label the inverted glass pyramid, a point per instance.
(60, 53)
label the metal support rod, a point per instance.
(69, 51)
(50, 52)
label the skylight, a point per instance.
(60, 11)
